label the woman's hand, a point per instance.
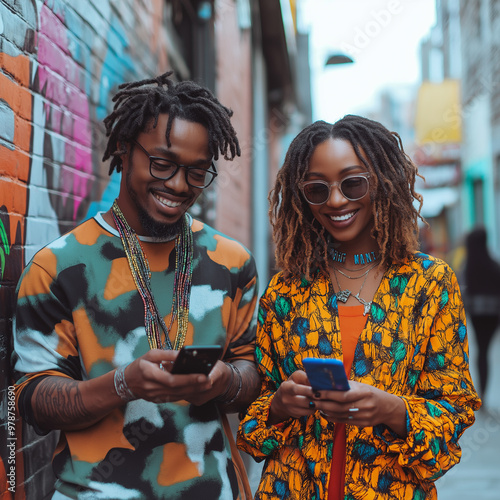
(294, 398)
(363, 406)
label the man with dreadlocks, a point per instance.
(354, 287)
(103, 311)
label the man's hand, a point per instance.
(149, 377)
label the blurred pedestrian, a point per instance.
(354, 287)
(482, 297)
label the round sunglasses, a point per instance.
(352, 188)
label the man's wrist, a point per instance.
(233, 390)
(121, 387)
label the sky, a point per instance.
(382, 37)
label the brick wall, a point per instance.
(234, 85)
(59, 62)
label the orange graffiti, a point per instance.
(15, 161)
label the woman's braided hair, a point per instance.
(301, 242)
(138, 105)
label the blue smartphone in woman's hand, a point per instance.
(326, 374)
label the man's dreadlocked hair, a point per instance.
(138, 105)
(301, 242)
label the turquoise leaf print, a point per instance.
(282, 307)
(332, 303)
(413, 378)
(289, 365)
(324, 477)
(261, 317)
(258, 355)
(317, 430)
(269, 445)
(433, 410)
(362, 366)
(378, 314)
(434, 444)
(420, 437)
(385, 480)
(426, 262)
(398, 352)
(281, 488)
(441, 360)
(365, 451)
(444, 299)
(419, 495)
(435, 476)
(462, 332)
(329, 451)
(275, 375)
(448, 406)
(304, 282)
(250, 425)
(398, 285)
(300, 327)
(324, 345)
(311, 466)
(436, 361)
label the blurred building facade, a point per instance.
(458, 121)
(480, 25)
(60, 64)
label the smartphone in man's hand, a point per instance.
(196, 359)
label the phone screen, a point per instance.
(197, 359)
(326, 374)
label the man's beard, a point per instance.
(153, 228)
(157, 229)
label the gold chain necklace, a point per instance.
(343, 295)
(355, 277)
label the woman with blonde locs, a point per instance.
(353, 286)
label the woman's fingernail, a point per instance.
(317, 394)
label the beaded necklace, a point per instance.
(141, 273)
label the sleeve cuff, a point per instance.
(258, 438)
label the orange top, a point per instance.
(352, 323)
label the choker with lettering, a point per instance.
(359, 258)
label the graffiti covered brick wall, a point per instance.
(60, 60)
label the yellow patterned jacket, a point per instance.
(414, 345)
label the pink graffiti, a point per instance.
(67, 121)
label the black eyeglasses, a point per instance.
(163, 169)
(353, 188)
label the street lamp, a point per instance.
(338, 59)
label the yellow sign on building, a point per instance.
(438, 118)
